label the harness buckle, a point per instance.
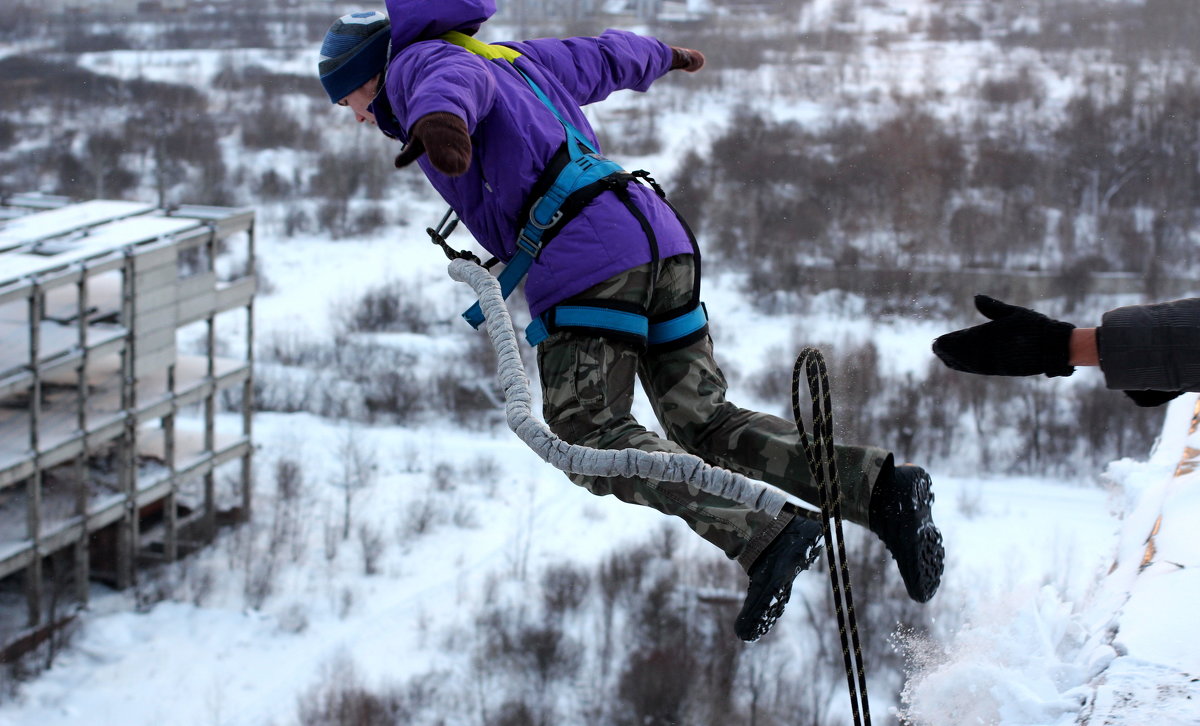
(529, 245)
(554, 218)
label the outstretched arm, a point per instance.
(593, 68)
(1148, 351)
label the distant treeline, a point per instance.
(1115, 186)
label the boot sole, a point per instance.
(923, 561)
(779, 600)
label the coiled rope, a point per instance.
(572, 458)
(821, 462)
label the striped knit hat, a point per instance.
(355, 49)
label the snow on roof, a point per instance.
(93, 239)
(55, 222)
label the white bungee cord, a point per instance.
(575, 459)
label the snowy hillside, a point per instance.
(410, 558)
(1040, 627)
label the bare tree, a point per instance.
(358, 471)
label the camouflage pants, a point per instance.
(588, 389)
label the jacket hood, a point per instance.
(416, 20)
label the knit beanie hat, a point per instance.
(355, 49)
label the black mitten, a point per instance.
(1149, 399)
(1017, 342)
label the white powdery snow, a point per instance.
(1123, 654)
(1021, 661)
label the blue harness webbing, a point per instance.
(679, 327)
(632, 326)
(586, 316)
(582, 177)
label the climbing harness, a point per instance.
(575, 176)
(821, 462)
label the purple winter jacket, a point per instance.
(514, 136)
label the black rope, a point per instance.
(439, 234)
(822, 464)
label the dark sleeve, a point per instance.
(1152, 347)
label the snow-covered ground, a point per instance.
(1050, 620)
(1050, 613)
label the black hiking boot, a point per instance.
(771, 575)
(900, 514)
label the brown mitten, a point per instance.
(443, 136)
(686, 59)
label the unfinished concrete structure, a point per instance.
(115, 388)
